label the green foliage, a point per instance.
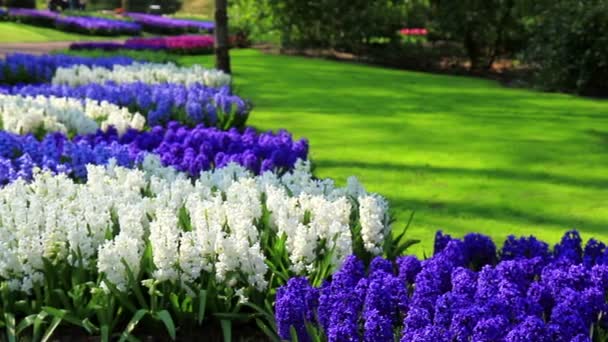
(486, 28)
(347, 25)
(569, 48)
(252, 21)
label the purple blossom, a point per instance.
(294, 308)
(532, 295)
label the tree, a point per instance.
(222, 56)
(486, 28)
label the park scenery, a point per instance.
(306, 171)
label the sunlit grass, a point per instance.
(465, 154)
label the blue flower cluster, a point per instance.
(193, 150)
(97, 26)
(80, 24)
(163, 102)
(20, 154)
(468, 291)
(22, 68)
(190, 150)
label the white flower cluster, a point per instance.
(24, 114)
(141, 72)
(213, 225)
(374, 222)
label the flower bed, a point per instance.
(97, 26)
(39, 115)
(161, 103)
(167, 25)
(186, 44)
(131, 247)
(197, 149)
(141, 72)
(79, 24)
(465, 292)
(23, 68)
(188, 150)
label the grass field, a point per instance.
(11, 32)
(465, 154)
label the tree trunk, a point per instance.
(222, 57)
(125, 5)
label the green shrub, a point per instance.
(338, 24)
(486, 28)
(251, 21)
(569, 47)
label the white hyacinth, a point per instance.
(211, 226)
(25, 114)
(141, 72)
(374, 222)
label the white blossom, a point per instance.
(25, 114)
(210, 226)
(141, 72)
(373, 218)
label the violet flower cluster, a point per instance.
(190, 150)
(197, 149)
(161, 103)
(33, 16)
(97, 26)
(168, 25)
(80, 24)
(20, 154)
(184, 44)
(24, 68)
(466, 292)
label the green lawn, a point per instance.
(11, 32)
(465, 154)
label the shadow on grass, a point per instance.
(530, 176)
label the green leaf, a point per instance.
(135, 286)
(293, 333)
(105, 333)
(226, 330)
(25, 323)
(122, 298)
(40, 319)
(202, 303)
(165, 317)
(268, 315)
(49, 332)
(63, 315)
(10, 327)
(131, 326)
(266, 330)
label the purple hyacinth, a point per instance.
(524, 247)
(22, 68)
(409, 266)
(530, 295)
(294, 308)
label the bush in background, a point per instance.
(486, 28)
(251, 21)
(349, 26)
(569, 47)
